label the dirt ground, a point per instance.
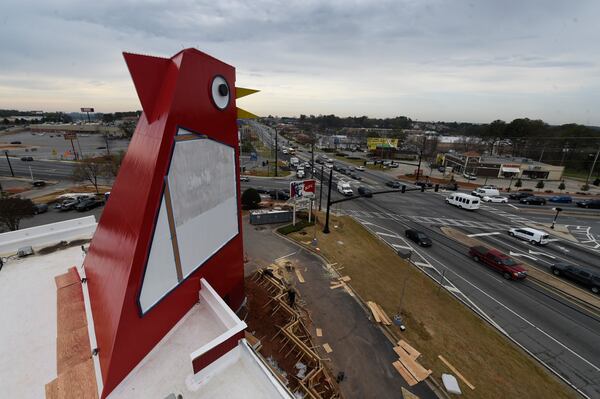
(437, 323)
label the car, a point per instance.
(67, 204)
(365, 192)
(101, 148)
(39, 183)
(394, 165)
(280, 194)
(589, 203)
(419, 237)
(361, 168)
(393, 184)
(563, 199)
(469, 176)
(87, 204)
(495, 198)
(483, 191)
(15, 142)
(496, 260)
(40, 208)
(328, 165)
(581, 275)
(533, 200)
(261, 190)
(27, 159)
(423, 184)
(450, 186)
(244, 178)
(519, 195)
(355, 176)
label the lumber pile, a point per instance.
(455, 371)
(379, 314)
(407, 365)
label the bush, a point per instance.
(585, 187)
(340, 154)
(539, 185)
(250, 199)
(562, 186)
(519, 183)
(290, 228)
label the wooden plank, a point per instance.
(345, 279)
(319, 332)
(333, 287)
(374, 311)
(415, 368)
(70, 277)
(72, 348)
(382, 315)
(455, 371)
(410, 380)
(327, 348)
(78, 382)
(299, 275)
(412, 352)
(406, 394)
(52, 389)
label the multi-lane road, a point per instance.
(557, 331)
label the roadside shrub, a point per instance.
(519, 183)
(539, 185)
(562, 186)
(250, 199)
(290, 228)
(585, 187)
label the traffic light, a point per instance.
(403, 188)
(436, 188)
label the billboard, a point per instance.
(70, 135)
(302, 189)
(87, 109)
(381, 142)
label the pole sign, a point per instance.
(302, 189)
(87, 109)
(70, 135)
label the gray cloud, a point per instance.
(427, 59)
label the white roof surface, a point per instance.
(28, 321)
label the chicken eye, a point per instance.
(220, 92)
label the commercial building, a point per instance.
(502, 167)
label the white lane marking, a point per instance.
(423, 264)
(401, 246)
(542, 253)
(493, 233)
(379, 233)
(452, 289)
(513, 206)
(511, 253)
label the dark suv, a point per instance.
(533, 200)
(590, 203)
(520, 195)
(393, 184)
(280, 194)
(578, 274)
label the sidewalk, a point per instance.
(360, 349)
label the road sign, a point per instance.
(70, 135)
(253, 156)
(87, 109)
(302, 189)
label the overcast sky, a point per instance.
(448, 60)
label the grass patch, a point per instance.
(436, 322)
(358, 162)
(290, 228)
(53, 196)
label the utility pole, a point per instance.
(587, 181)
(321, 189)
(106, 140)
(326, 228)
(275, 152)
(13, 173)
(312, 159)
(420, 157)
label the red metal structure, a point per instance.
(175, 93)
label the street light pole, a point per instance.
(558, 210)
(9, 165)
(321, 189)
(326, 228)
(275, 152)
(587, 181)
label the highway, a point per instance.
(556, 331)
(41, 169)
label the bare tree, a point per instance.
(13, 209)
(90, 169)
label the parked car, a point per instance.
(393, 184)
(533, 200)
(87, 204)
(450, 186)
(27, 159)
(39, 183)
(494, 259)
(355, 176)
(581, 275)
(423, 184)
(394, 165)
(244, 178)
(486, 190)
(590, 203)
(280, 194)
(419, 237)
(563, 199)
(15, 142)
(365, 192)
(536, 237)
(361, 168)
(469, 177)
(519, 195)
(67, 204)
(495, 198)
(40, 208)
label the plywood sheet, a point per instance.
(410, 380)
(319, 332)
(299, 275)
(412, 352)
(72, 348)
(327, 348)
(78, 382)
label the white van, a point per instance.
(534, 236)
(486, 191)
(344, 188)
(463, 201)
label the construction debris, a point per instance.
(407, 365)
(299, 275)
(319, 332)
(407, 349)
(379, 314)
(327, 348)
(451, 384)
(455, 371)
(406, 394)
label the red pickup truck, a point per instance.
(510, 268)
